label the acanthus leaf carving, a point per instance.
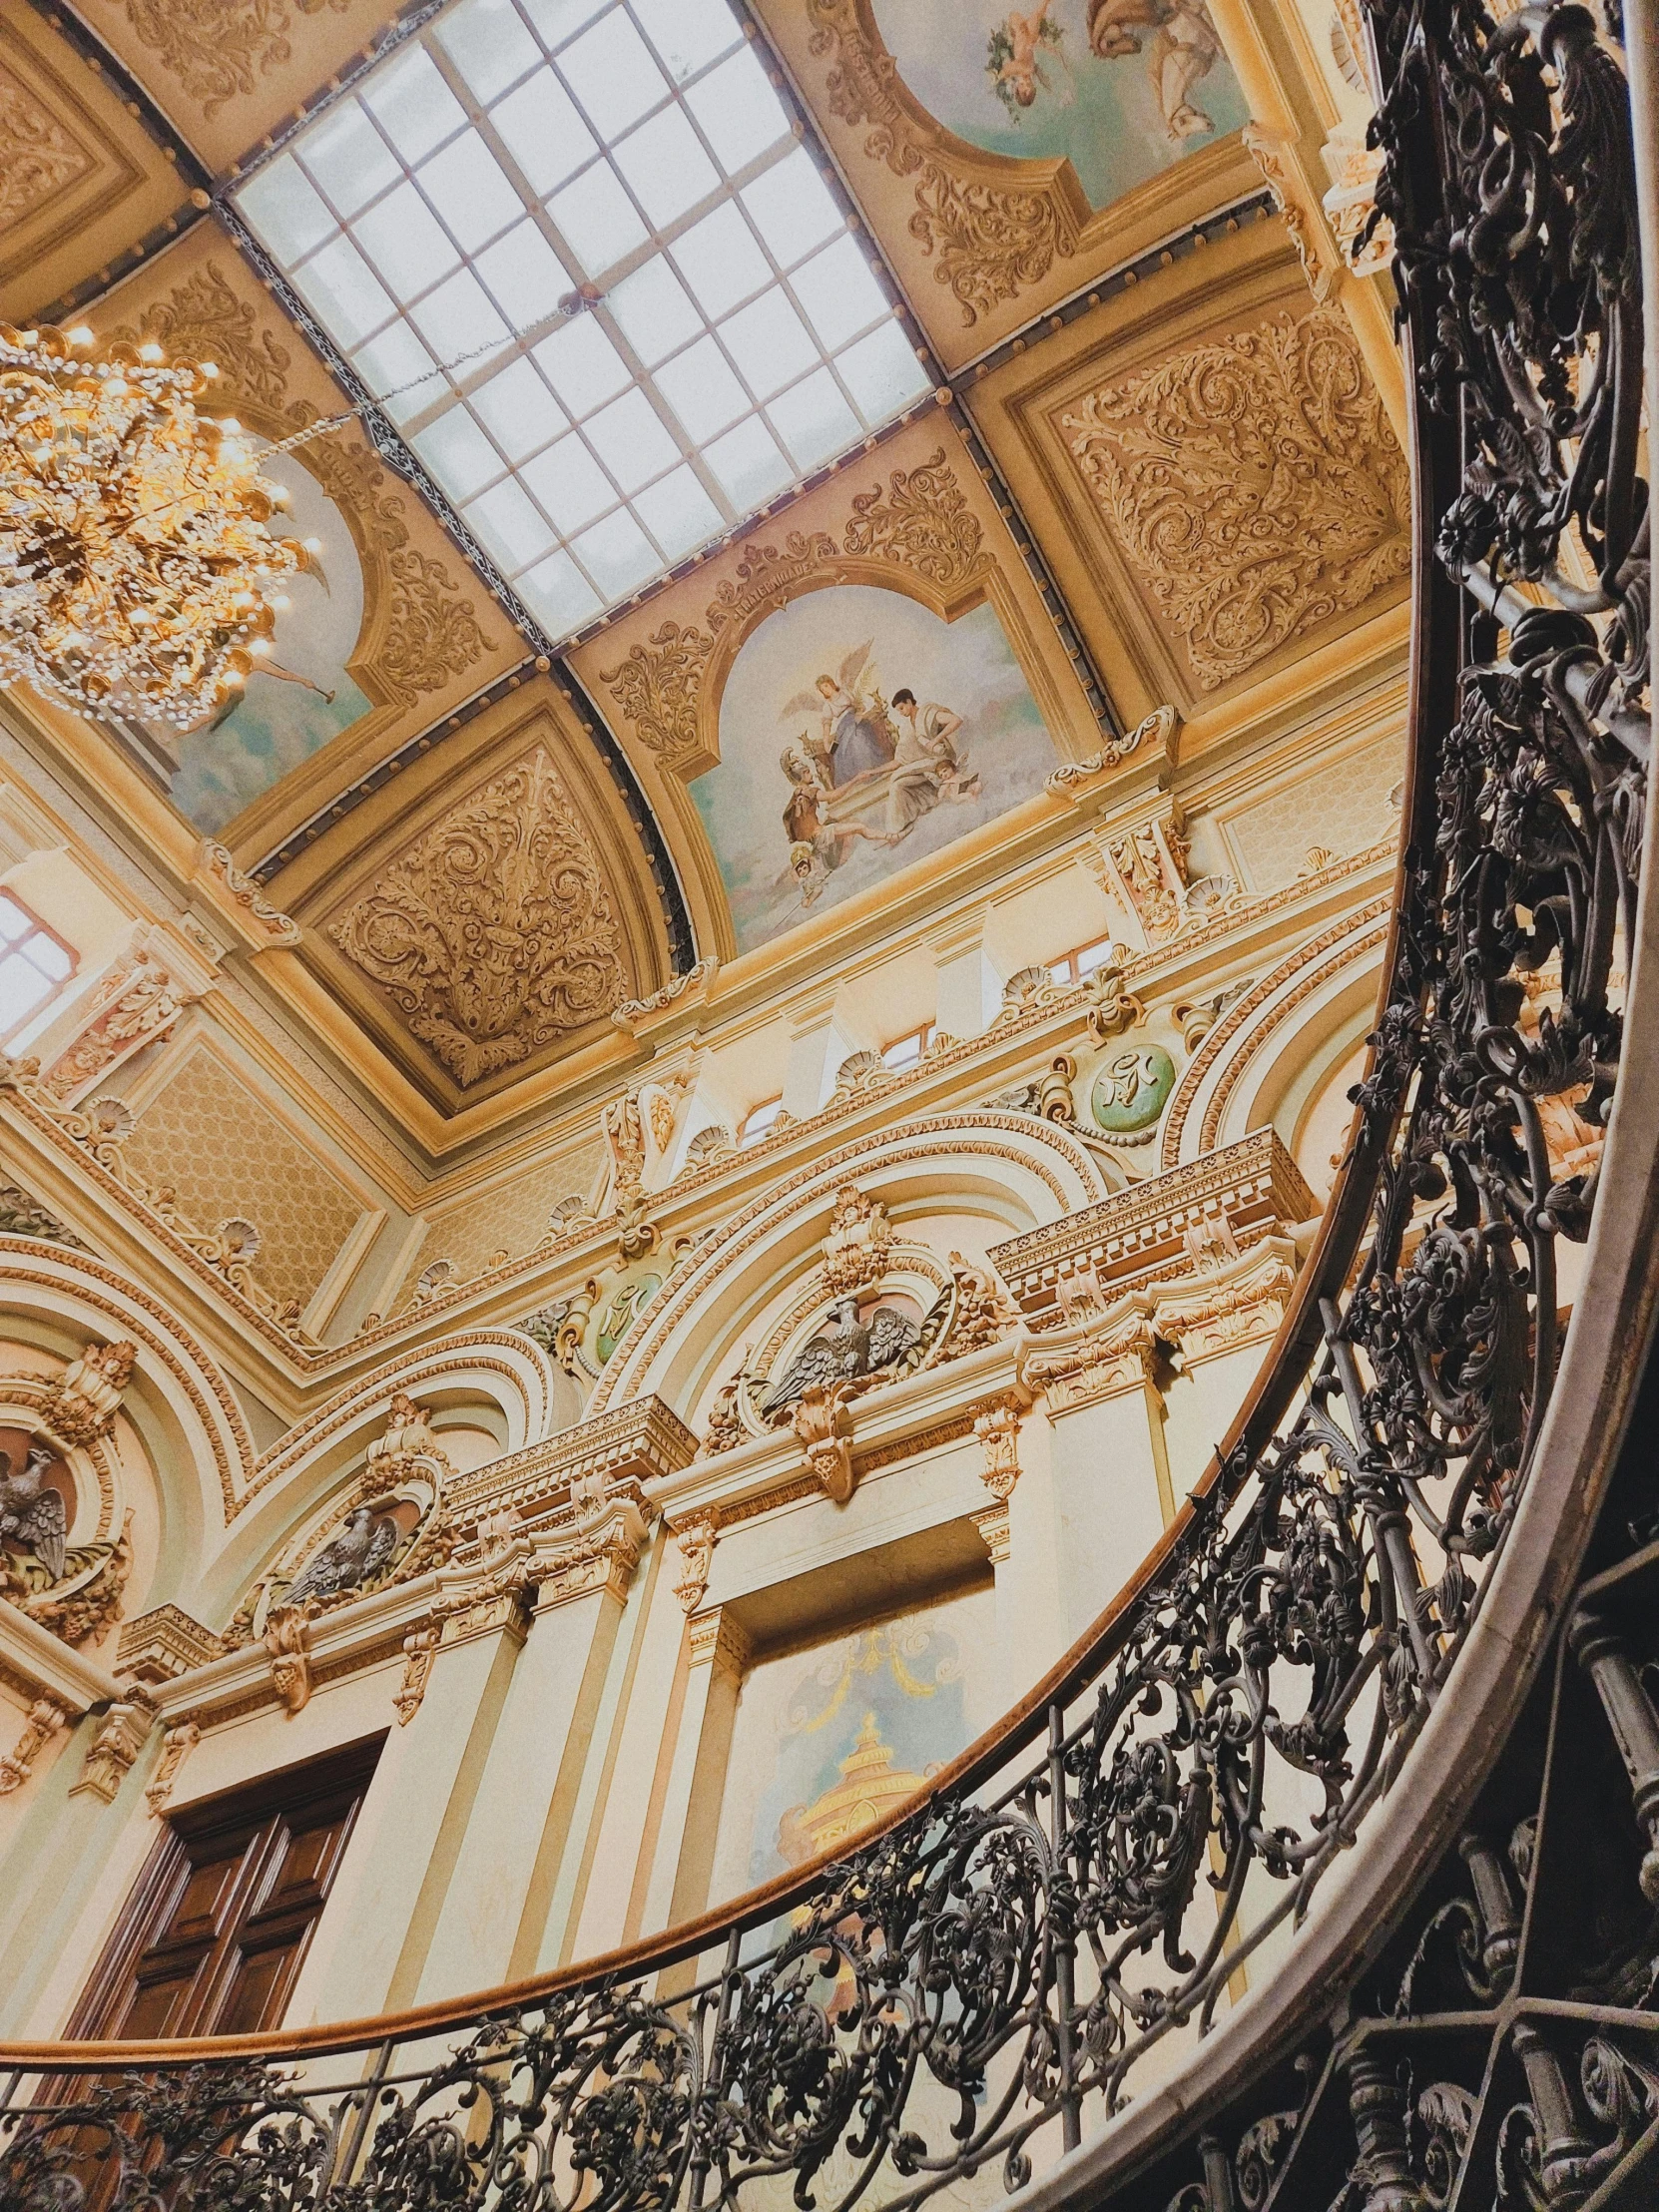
(1253, 484)
(219, 49)
(494, 934)
(988, 243)
(39, 156)
(922, 520)
(658, 684)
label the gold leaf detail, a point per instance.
(218, 48)
(988, 244)
(494, 934)
(38, 156)
(656, 685)
(922, 521)
(1253, 484)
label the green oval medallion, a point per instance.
(1131, 1088)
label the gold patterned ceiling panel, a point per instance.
(387, 632)
(229, 72)
(483, 920)
(80, 180)
(1212, 471)
(1004, 157)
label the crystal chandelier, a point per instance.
(137, 573)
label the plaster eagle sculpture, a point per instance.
(843, 1352)
(31, 1514)
(356, 1556)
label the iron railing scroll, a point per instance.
(988, 1994)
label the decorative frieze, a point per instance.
(634, 1442)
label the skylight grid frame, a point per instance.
(551, 36)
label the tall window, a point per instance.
(35, 964)
(617, 183)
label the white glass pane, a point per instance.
(50, 957)
(14, 922)
(791, 207)
(470, 189)
(339, 284)
(488, 45)
(688, 34)
(598, 218)
(391, 362)
(721, 262)
(631, 440)
(413, 103)
(701, 388)
(582, 364)
(664, 162)
(1093, 956)
(509, 526)
(814, 421)
(679, 514)
(616, 554)
(458, 453)
(349, 158)
(748, 466)
(557, 20)
(653, 311)
(769, 344)
(559, 595)
(738, 110)
(406, 243)
(518, 410)
(612, 73)
(286, 211)
(457, 320)
(570, 485)
(839, 292)
(883, 372)
(21, 986)
(525, 276)
(544, 132)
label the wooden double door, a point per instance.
(213, 1938)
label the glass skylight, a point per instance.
(602, 202)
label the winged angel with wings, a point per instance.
(854, 739)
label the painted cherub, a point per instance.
(1013, 57)
(1183, 49)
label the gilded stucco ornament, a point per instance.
(1253, 485)
(494, 934)
(39, 156)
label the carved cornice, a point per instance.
(164, 1643)
(1253, 1186)
(636, 1442)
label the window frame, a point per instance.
(16, 948)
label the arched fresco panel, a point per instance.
(830, 778)
(1120, 88)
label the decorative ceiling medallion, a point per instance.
(1131, 1090)
(495, 934)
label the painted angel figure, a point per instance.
(818, 846)
(1013, 60)
(1184, 48)
(854, 736)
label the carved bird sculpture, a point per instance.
(355, 1556)
(848, 1349)
(31, 1514)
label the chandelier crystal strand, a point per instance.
(138, 575)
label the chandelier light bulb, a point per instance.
(135, 568)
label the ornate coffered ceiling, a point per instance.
(1154, 462)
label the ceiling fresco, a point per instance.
(759, 506)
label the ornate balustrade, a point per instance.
(1325, 1869)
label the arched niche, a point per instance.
(1009, 1171)
(818, 783)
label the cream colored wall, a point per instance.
(558, 1788)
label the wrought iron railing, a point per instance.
(1113, 1929)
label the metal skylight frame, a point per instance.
(542, 504)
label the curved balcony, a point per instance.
(1371, 1732)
